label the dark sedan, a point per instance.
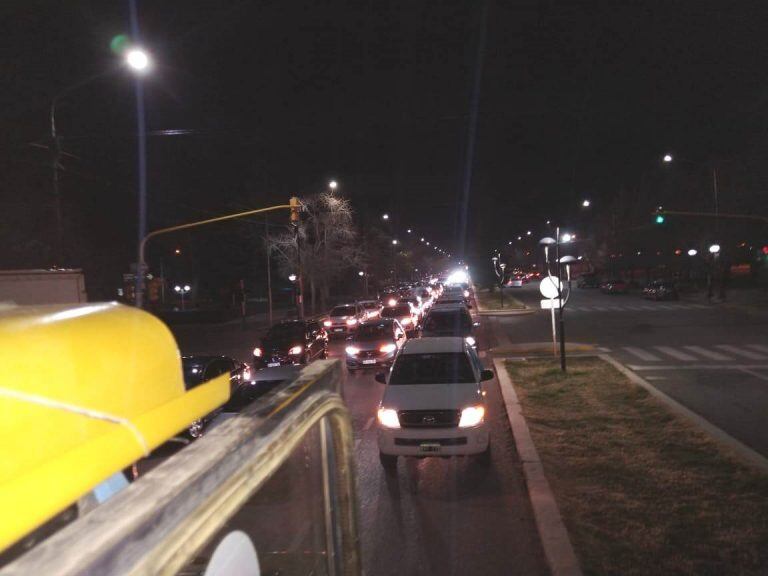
(375, 344)
(200, 369)
(661, 290)
(291, 342)
(615, 286)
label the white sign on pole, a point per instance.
(550, 303)
(550, 287)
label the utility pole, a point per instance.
(269, 270)
(55, 160)
(295, 221)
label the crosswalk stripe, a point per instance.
(669, 351)
(711, 354)
(741, 352)
(758, 347)
(642, 354)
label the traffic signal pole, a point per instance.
(294, 206)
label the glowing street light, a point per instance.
(566, 238)
(385, 216)
(667, 158)
(394, 242)
(182, 291)
(422, 239)
(586, 203)
(692, 252)
(292, 277)
(528, 233)
(714, 249)
(333, 184)
(409, 230)
(137, 59)
(519, 237)
(361, 273)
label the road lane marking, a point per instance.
(755, 374)
(741, 352)
(758, 347)
(711, 354)
(704, 367)
(642, 354)
(601, 309)
(669, 351)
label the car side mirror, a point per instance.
(381, 377)
(486, 375)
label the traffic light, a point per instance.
(660, 218)
(295, 209)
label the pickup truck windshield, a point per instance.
(438, 368)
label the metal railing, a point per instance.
(161, 522)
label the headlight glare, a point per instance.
(472, 416)
(388, 418)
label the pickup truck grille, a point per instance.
(429, 418)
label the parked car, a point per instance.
(588, 281)
(372, 308)
(404, 314)
(344, 318)
(200, 369)
(375, 344)
(615, 286)
(450, 321)
(291, 342)
(661, 290)
(433, 404)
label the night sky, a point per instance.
(578, 99)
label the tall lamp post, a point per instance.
(499, 268)
(182, 291)
(556, 282)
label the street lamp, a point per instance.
(385, 216)
(182, 291)
(586, 203)
(138, 60)
(566, 238)
(667, 158)
(333, 184)
(422, 239)
(714, 249)
(409, 230)
(528, 233)
(394, 242)
(292, 277)
(692, 252)
(562, 299)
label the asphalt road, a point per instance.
(713, 358)
(435, 516)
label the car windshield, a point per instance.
(397, 311)
(374, 331)
(343, 311)
(452, 320)
(286, 331)
(370, 305)
(437, 368)
(193, 372)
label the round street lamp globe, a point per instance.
(667, 157)
(361, 273)
(187, 288)
(394, 242)
(292, 277)
(566, 237)
(333, 184)
(586, 203)
(137, 59)
(177, 288)
(714, 249)
(692, 252)
(385, 216)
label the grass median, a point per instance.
(641, 490)
(492, 300)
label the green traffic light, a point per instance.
(659, 218)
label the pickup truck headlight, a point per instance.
(296, 350)
(388, 418)
(472, 416)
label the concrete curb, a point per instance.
(558, 550)
(751, 456)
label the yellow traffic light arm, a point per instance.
(294, 207)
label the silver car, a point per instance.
(375, 344)
(344, 319)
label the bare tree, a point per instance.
(328, 245)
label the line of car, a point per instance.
(654, 290)
(422, 335)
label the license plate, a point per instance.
(369, 361)
(338, 329)
(429, 447)
(273, 364)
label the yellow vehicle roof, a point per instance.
(85, 391)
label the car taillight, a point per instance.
(471, 416)
(388, 418)
(387, 348)
(257, 352)
(327, 323)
